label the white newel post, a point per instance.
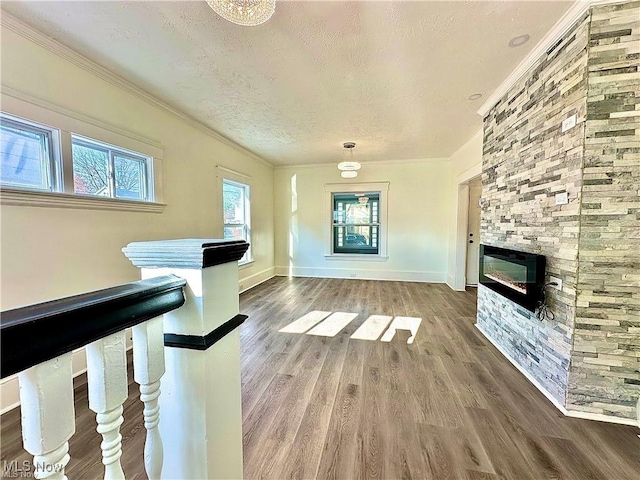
(200, 403)
(107, 384)
(48, 416)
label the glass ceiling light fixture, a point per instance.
(349, 168)
(248, 13)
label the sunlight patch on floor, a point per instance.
(332, 325)
(403, 323)
(327, 324)
(372, 327)
(305, 322)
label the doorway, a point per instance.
(457, 278)
(473, 232)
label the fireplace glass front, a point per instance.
(519, 276)
(509, 274)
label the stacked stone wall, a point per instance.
(588, 357)
(527, 160)
(605, 362)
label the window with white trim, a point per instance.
(104, 170)
(58, 164)
(28, 155)
(356, 222)
(236, 201)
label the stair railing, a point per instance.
(37, 343)
(186, 304)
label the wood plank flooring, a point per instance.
(448, 406)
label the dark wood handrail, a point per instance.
(37, 333)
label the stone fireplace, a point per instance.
(585, 359)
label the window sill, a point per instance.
(362, 257)
(248, 263)
(33, 198)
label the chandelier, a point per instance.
(248, 13)
(349, 168)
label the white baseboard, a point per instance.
(451, 283)
(552, 399)
(9, 394)
(598, 417)
(250, 281)
(362, 274)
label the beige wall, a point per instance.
(418, 222)
(53, 252)
(468, 157)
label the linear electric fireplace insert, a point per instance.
(519, 276)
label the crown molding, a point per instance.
(364, 164)
(10, 22)
(45, 105)
(571, 16)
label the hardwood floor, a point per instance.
(448, 406)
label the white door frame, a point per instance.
(462, 226)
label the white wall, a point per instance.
(466, 164)
(53, 252)
(419, 214)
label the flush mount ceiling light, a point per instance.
(349, 174)
(248, 13)
(475, 96)
(349, 165)
(519, 40)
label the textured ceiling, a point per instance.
(394, 77)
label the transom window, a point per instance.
(237, 213)
(37, 160)
(104, 170)
(27, 155)
(356, 223)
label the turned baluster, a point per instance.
(148, 363)
(107, 381)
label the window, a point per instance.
(356, 222)
(237, 216)
(355, 227)
(62, 159)
(103, 170)
(27, 155)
